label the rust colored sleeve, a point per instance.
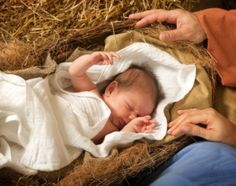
(220, 28)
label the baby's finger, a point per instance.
(114, 55)
(106, 58)
(110, 56)
(152, 121)
(147, 117)
(151, 125)
(108, 62)
(149, 128)
(144, 119)
(96, 57)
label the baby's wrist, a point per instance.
(128, 128)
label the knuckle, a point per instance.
(166, 36)
(186, 116)
(178, 10)
(211, 112)
(186, 129)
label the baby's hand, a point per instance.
(143, 124)
(103, 58)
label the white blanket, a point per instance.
(43, 127)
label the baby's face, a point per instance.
(127, 104)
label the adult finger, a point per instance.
(191, 129)
(183, 115)
(187, 111)
(141, 15)
(190, 117)
(172, 35)
(158, 15)
(147, 20)
(195, 117)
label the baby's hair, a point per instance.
(132, 74)
(140, 78)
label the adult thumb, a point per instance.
(170, 35)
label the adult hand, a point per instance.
(187, 25)
(218, 128)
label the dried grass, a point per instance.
(143, 157)
(59, 26)
(34, 21)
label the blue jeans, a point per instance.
(202, 163)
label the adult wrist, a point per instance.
(202, 32)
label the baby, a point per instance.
(131, 97)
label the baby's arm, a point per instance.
(78, 68)
(143, 124)
(107, 129)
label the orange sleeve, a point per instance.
(220, 28)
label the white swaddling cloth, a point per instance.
(43, 127)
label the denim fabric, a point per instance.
(202, 163)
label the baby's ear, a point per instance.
(111, 87)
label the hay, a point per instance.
(143, 156)
(34, 21)
(51, 25)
